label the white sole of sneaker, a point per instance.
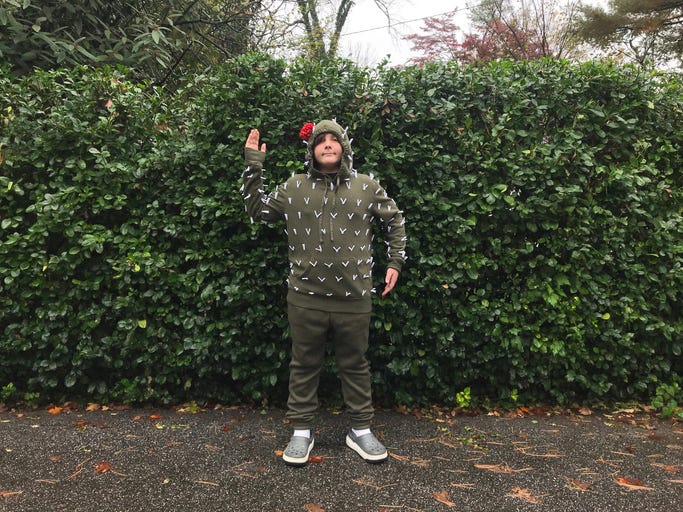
(366, 456)
(299, 461)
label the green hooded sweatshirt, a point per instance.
(329, 227)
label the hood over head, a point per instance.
(331, 126)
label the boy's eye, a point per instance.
(324, 138)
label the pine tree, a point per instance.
(645, 31)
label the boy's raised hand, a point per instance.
(252, 141)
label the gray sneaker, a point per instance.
(367, 446)
(298, 450)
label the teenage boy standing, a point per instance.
(329, 212)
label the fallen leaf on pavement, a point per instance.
(55, 410)
(279, 453)
(155, 417)
(4, 494)
(525, 494)
(315, 458)
(314, 507)
(666, 467)
(189, 408)
(632, 484)
(105, 467)
(443, 497)
(93, 407)
(523, 411)
(626, 411)
(577, 485)
(70, 406)
(585, 411)
(102, 467)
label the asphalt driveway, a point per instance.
(226, 459)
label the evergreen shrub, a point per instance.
(543, 209)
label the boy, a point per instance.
(328, 212)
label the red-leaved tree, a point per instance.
(498, 40)
(502, 29)
(439, 41)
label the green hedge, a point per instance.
(543, 206)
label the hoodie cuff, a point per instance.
(254, 157)
(396, 266)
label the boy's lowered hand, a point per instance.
(390, 281)
(252, 141)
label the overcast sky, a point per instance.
(367, 39)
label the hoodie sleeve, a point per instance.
(394, 227)
(260, 205)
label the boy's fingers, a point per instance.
(390, 281)
(252, 140)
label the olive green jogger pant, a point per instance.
(348, 333)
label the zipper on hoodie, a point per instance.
(329, 187)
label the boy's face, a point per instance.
(327, 152)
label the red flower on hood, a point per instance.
(306, 131)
